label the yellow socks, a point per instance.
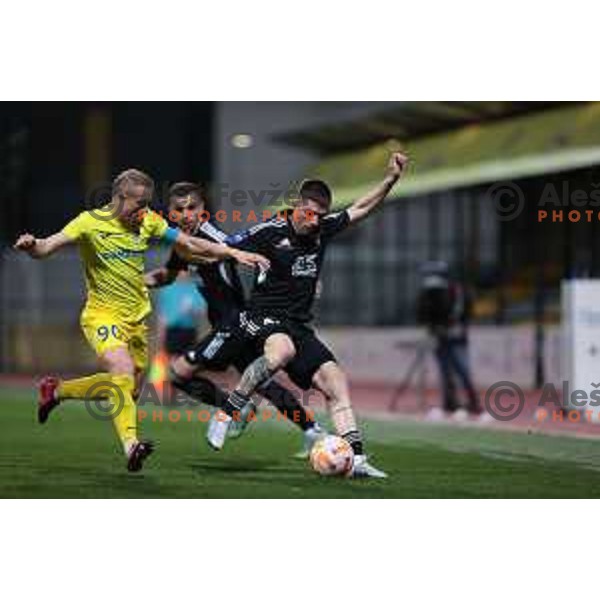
(94, 386)
(125, 417)
(118, 390)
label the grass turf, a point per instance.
(74, 456)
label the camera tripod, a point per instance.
(416, 370)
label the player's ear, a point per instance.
(297, 202)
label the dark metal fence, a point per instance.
(514, 265)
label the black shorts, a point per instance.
(224, 347)
(311, 352)
(179, 339)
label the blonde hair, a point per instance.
(131, 177)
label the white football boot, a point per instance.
(460, 416)
(217, 430)
(435, 415)
(485, 418)
(362, 469)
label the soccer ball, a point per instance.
(332, 455)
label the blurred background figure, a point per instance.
(444, 307)
(180, 309)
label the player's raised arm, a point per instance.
(41, 247)
(199, 250)
(367, 204)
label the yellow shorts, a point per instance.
(105, 332)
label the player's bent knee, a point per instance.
(279, 350)
(329, 376)
(119, 362)
(177, 377)
(181, 368)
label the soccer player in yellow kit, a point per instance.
(112, 243)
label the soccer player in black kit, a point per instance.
(278, 316)
(225, 345)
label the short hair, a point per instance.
(183, 189)
(129, 177)
(317, 191)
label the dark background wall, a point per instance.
(52, 154)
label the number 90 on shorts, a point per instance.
(106, 332)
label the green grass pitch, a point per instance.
(73, 456)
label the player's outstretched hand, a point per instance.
(25, 242)
(250, 259)
(397, 164)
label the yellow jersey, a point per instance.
(113, 259)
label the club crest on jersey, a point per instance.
(305, 266)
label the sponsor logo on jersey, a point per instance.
(305, 266)
(122, 254)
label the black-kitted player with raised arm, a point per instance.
(224, 346)
(279, 311)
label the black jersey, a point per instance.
(220, 283)
(288, 288)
